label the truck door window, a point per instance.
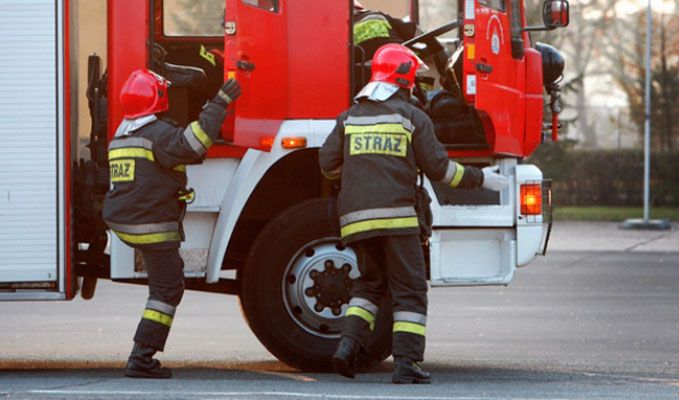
(269, 5)
(193, 18)
(494, 4)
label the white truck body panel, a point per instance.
(471, 245)
(32, 145)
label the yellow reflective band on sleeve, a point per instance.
(375, 224)
(459, 173)
(201, 135)
(209, 57)
(180, 168)
(363, 314)
(409, 327)
(370, 29)
(131, 152)
(149, 238)
(378, 128)
(158, 317)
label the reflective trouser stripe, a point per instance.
(409, 327)
(363, 314)
(158, 317)
(387, 223)
(377, 213)
(131, 152)
(150, 238)
(180, 168)
(364, 304)
(160, 307)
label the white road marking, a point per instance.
(275, 394)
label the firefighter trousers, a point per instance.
(395, 265)
(165, 270)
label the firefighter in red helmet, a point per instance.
(376, 149)
(146, 204)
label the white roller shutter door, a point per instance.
(29, 141)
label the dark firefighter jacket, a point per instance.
(144, 207)
(377, 148)
(373, 29)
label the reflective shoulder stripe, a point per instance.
(379, 128)
(363, 314)
(377, 224)
(197, 138)
(149, 238)
(158, 317)
(131, 152)
(364, 303)
(380, 119)
(410, 327)
(370, 28)
(377, 213)
(138, 229)
(160, 307)
(409, 316)
(131, 142)
(454, 174)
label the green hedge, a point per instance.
(607, 177)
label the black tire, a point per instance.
(302, 237)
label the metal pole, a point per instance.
(647, 124)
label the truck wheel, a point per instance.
(295, 289)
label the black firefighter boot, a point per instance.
(141, 364)
(344, 359)
(407, 371)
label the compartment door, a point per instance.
(256, 51)
(31, 151)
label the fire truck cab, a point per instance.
(259, 226)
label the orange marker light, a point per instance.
(531, 199)
(293, 142)
(266, 142)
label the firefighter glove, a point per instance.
(229, 92)
(492, 180)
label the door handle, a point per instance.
(485, 68)
(245, 65)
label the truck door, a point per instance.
(256, 51)
(494, 72)
(34, 226)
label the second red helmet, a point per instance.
(396, 64)
(144, 93)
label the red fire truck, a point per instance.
(260, 227)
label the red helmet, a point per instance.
(144, 93)
(397, 64)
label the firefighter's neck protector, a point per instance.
(395, 64)
(377, 91)
(127, 126)
(144, 93)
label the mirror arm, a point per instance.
(538, 28)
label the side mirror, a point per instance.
(555, 14)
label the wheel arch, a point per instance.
(264, 185)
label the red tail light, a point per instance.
(531, 199)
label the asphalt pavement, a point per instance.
(597, 318)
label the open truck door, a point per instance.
(35, 151)
(269, 45)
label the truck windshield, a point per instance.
(193, 18)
